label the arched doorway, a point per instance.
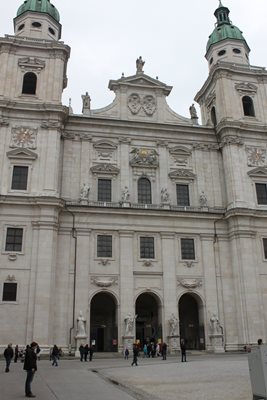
(103, 324)
(148, 321)
(192, 321)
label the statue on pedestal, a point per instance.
(173, 321)
(81, 326)
(139, 65)
(84, 192)
(86, 103)
(129, 321)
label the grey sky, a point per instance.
(107, 36)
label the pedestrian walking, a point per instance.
(81, 350)
(30, 365)
(164, 351)
(8, 354)
(126, 353)
(135, 355)
(16, 353)
(91, 352)
(183, 351)
(55, 356)
(86, 351)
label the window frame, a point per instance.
(17, 292)
(144, 178)
(188, 192)
(194, 248)
(154, 247)
(97, 245)
(12, 178)
(4, 251)
(256, 192)
(104, 179)
(264, 239)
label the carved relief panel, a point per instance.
(180, 156)
(105, 151)
(142, 104)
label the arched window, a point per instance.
(248, 106)
(144, 191)
(213, 116)
(29, 83)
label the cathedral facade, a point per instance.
(131, 223)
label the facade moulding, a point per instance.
(32, 201)
(237, 234)
(45, 225)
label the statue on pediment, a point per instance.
(86, 103)
(193, 111)
(139, 65)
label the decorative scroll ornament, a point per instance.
(104, 281)
(105, 169)
(227, 140)
(31, 63)
(182, 173)
(246, 88)
(23, 137)
(148, 104)
(190, 283)
(256, 156)
(11, 278)
(144, 157)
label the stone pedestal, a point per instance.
(216, 343)
(84, 202)
(174, 344)
(79, 340)
(128, 342)
(125, 204)
(165, 206)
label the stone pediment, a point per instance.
(260, 172)
(106, 169)
(105, 144)
(182, 173)
(22, 153)
(140, 81)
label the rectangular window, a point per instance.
(9, 291)
(104, 190)
(19, 178)
(182, 193)
(147, 247)
(264, 241)
(261, 190)
(187, 249)
(14, 239)
(104, 246)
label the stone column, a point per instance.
(127, 289)
(169, 290)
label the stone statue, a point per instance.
(215, 326)
(129, 323)
(173, 321)
(193, 111)
(125, 195)
(203, 199)
(86, 103)
(165, 197)
(84, 192)
(139, 65)
(81, 325)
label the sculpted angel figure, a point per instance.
(173, 321)
(85, 192)
(81, 325)
(129, 323)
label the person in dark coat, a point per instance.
(91, 352)
(135, 355)
(16, 353)
(183, 351)
(164, 351)
(30, 365)
(81, 350)
(55, 355)
(86, 351)
(8, 354)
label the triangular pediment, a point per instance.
(22, 154)
(182, 173)
(180, 150)
(140, 81)
(258, 172)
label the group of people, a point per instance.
(152, 349)
(85, 351)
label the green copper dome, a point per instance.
(41, 6)
(224, 28)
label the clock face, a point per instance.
(24, 137)
(256, 157)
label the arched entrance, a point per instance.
(103, 326)
(148, 321)
(192, 321)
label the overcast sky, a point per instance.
(107, 36)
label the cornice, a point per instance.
(31, 201)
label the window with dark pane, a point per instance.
(187, 249)
(264, 241)
(144, 191)
(182, 193)
(29, 83)
(104, 190)
(14, 239)
(248, 106)
(147, 247)
(9, 291)
(104, 246)
(261, 190)
(19, 177)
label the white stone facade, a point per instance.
(58, 267)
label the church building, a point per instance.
(130, 223)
